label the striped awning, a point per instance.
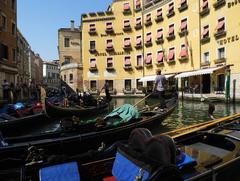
(153, 77)
(198, 72)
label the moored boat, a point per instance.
(87, 136)
(209, 154)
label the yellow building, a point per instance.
(69, 46)
(195, 40)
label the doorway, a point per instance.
(206, 82)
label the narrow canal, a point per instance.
(185, 114)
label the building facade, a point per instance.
(197, 41)
(8, 41)
(69, 46)
(51, 74)
(23, 52)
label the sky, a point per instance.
(39, 21)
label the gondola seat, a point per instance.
(62, 172)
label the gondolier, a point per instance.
(106, 89)
(159, 86)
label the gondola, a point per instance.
(211, 153)
(87, 136)
(59, 111)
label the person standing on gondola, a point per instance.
(6, 89)
(159, 86)
(106, 89)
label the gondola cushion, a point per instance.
(61, 172)
(124, 169)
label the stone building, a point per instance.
(51, 74)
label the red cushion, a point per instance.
(112, 178)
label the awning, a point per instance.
(153, 77)
(198, 72)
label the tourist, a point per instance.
(106, 89)
(159, 86)
(6, 89)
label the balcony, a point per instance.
(184, 58)
(137, 9)
(138, 26)
(205, 63)
(139, 67)
(158, 64)
(220, 60)
(159, 41)
(183, 33)
(109, 30)
(92, 50)
(171, 61)
(110, 68)
(128, 67)
(205, 40)
(220, 34)
(93, 69)
(127, 48)
(183, 7)
(148, 65)
(148, 44)
(170, 14)
(92, 32)
(127, 28)
(219, 4)
(148, 23)
(159, 19)
(127, 11)
(205, 12)
(109, 49)
(138, 46)
(171, 37)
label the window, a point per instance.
(13, 29)
(127, 85)
(126, 7)
(67, 60)
(171, 54)
(183, 3)
(138, 4)
(221, 25)
(93, 63)
(149, 37)
(184, 51)
(159, 12)
(139, 40)
(3, 52)
(127, 42)
(3, 22)
(148, 18)
(66, 42)
(206, 57)
(139, 84)
(205, 33)
(220, 82)
(93, 85)
(127, 61)
(92, 45)
(138, 21)
(171, 8)
(126, 23)
(14, 54)
(159, 34)
(109, 26)
(71, 78)
(149, 58)
(204, 4)
(92, 28)
(171, 30)
(183, 25)
(109, 62)
(109, 43)
(160, 56)
(139, 60)
(48, 74)
(221, 53)
(13, 4)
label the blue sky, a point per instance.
(39, 21)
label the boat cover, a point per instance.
(61, 172)
(125, 112)
(124, 169)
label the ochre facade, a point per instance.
(133, 38)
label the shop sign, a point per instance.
(233, 3)
(228, 40)
(112, 34)
(112, 53)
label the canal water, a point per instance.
(185, 114)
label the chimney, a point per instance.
(72, 25)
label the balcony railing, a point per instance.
(184, 58)
(92, 32)
(138, 26)
(171, 37)
(219, 4)
(159, 19)
(183, 33)
(127, 28)
(127, 67)
(204, 12)
(170, 14)
(220, 60)
(183, 7)
(148, 44)
(159, 41)
(220, 34)
(205, 40)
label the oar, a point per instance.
(228, 118)
(200, 125)
(142, 99)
